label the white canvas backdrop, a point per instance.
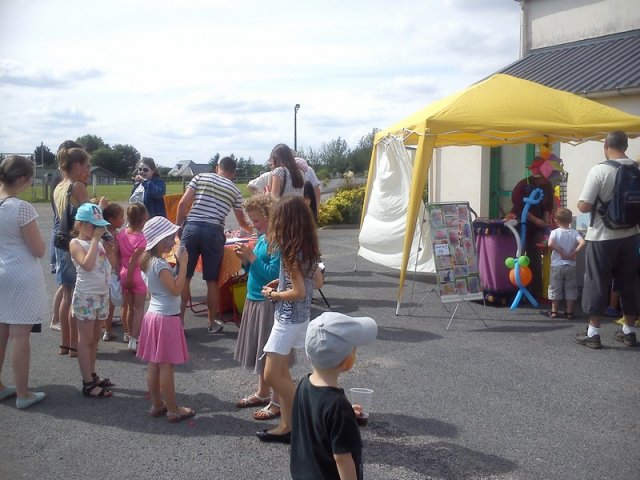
(383, 228)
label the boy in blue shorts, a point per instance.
(325, 440)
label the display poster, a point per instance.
(454, 251)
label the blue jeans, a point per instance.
(206, 240)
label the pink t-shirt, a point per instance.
(129, 242)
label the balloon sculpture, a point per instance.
(520, 273)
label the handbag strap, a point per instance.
(66, 221)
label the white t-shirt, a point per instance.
(262, 183)
(566, 239)
(162, 302)
(599, 184)
(94, 281)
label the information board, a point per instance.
(454, 251)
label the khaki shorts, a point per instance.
(90, 306)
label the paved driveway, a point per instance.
(516, 400)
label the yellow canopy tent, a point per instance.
(499, 110)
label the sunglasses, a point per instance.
(145, 170)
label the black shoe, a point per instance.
(629, 339)
(591, 342)
(265, 436)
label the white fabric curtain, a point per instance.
(382, 233)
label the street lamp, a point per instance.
(295, 126)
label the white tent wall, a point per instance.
(384, 225)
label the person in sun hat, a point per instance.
(162, 343)
(539, 217)
(325, 440)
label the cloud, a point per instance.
(237, 105)
(13, 73)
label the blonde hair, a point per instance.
(262, 203)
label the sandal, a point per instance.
(552, 314)
(266, 413)
(89, 387)
(181, 414)
(63, 350)
(253, 400)
(104, 382)
(158, 412)
(73, 352)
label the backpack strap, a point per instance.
(612, 163)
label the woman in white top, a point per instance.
(22, 292)
(286, 177)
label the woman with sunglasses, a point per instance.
(149, 188)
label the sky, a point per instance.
(185, 79)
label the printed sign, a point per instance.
(454, 251)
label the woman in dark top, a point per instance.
(150, 187)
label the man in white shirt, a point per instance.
(608, 251)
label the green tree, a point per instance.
(128, 158)
(91, 143)
(334, 154)
(213, 161)
(106, 158)
(43, 156)
(359, 158)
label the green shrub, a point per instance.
(344, 207)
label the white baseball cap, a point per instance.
(332, 336)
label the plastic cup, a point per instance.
(361, 401)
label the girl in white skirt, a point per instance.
(292, 231)
(162, 343)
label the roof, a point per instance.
(98, 167)
(188, 168)
(603, 64)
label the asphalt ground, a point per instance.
(518, 399)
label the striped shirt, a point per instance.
(215, 196)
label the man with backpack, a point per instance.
(610, 194)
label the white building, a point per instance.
(587, 47)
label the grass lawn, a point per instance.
(116, 193)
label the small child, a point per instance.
(257, 315)
(325, 440)
(131, 244)
(162, 343)
(114, 214)
(90, 301)
(565, 243)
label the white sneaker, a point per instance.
(216, 327)
(133, 344)
(108, 336)
(126, 338)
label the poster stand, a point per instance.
(454, 254)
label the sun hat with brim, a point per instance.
(91, 213)
(156, 229)
(332, 336)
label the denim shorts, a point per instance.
(206, 240)
(65, 269)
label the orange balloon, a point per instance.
(525, 276)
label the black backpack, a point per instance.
(623, 210)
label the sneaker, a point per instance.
(612, 312)
(126, 338)
(591, 342)
(629, 339)
(116, 320)
(108, 336)
(216, 327)
(55, 326)
(133, 344)
(620, 322)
